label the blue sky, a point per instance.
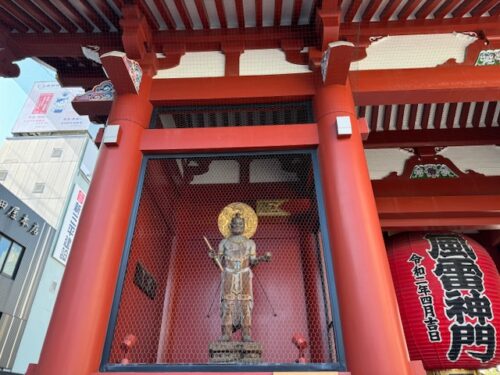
(13, 92)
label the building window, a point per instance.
(56, 152)
(11, 254)
(3, 174)
(39, 187)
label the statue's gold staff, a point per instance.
(212, 254)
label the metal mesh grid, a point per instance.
(233, 115)
(169, 309)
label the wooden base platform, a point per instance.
(235, 352)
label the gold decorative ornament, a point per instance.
(271, 207)
(245, 211)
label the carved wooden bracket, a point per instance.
(427, 164)
(137, 37)
(124, 73)
(328, 23)
(336, 61)
(292, 49)
(474, 49)
(173, 54)
(97, 101)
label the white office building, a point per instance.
(48, 165)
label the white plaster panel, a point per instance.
(269, 170)
(414, 51)
(383, 161)
(267, 61)
(481, 159)
(196, 64)
(220, 172)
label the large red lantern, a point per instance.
(448, 291)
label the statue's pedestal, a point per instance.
(235, 352)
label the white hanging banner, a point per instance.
(69, 225)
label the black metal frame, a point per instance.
(340, 365)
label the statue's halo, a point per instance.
(245, 211)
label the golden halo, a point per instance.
(245, 211)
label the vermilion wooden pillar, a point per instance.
(371, 327)
(76, 335)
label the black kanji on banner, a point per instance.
(467, 307)
(425, 297)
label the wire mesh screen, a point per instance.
(233, 115)
(173, 293)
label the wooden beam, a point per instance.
(183, 12)
(467, 184)
(93, 16)
(255, 37)
(203, 14)
(297, 7)
(439, 212)
(352, 10)
(9, 23)
(444, 9)
(278, 6)
(355, 31)
(165, 14)
(72, 13)
(40, 15)
(258, 13)
(433, 137)
(52, 11)
(426, 85)
(258, 37)
(370, 10)
(63, 45)
(221, 14)
(229, 139)
(465, 7)
(408, 9)
(371, 87)
(389, 9)
(427, 9)
(20, 14)
(240, 13)
(232, 89)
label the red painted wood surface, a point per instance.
(437, 355)
(138, 314)
(370, 87)
(81, 314)
(364, 285)
(230, 138)
(174, 328)
(232, 89)
(425, 85)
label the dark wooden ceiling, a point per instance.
(54, 31)
(102, 16)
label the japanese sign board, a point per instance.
(14, 213)
(69, 225)
(448, 292)
(48, 109)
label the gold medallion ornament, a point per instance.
(245, 211)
